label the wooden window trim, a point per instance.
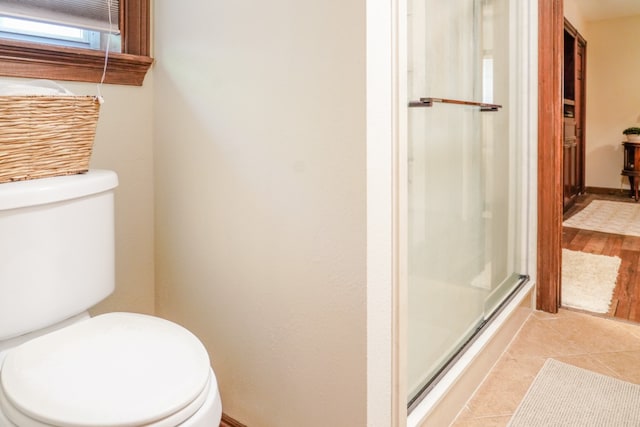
(32, 60)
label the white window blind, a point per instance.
(88, 14)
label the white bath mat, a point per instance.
(608, 217)
(568, 396)
(588, 280)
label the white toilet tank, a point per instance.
(56, 249)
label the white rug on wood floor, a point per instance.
(565, 395)
(588, 280)
(608, 217)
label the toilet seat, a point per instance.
(113, 370)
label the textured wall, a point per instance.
(613, 58)
(260, 166)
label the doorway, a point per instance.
(606, 159)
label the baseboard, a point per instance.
(227, 421)
(608, 191)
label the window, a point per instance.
(60, 35)
(75, 51)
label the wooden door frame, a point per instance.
(549, 240)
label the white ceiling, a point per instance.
(594, 10)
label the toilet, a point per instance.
(59, 367)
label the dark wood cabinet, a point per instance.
(573, 141)
(631, 166)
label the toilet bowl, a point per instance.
(58, 366)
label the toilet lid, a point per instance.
(117, 369)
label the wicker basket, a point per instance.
(43, 136)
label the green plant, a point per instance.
(631, 131)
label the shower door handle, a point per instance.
(428, 102)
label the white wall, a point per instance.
(613, 61)
(124, 144)
(260, 165)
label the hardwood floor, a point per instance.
(626, 295)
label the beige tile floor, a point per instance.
(607, 346)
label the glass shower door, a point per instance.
(464, 181)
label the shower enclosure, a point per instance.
(466, 176)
